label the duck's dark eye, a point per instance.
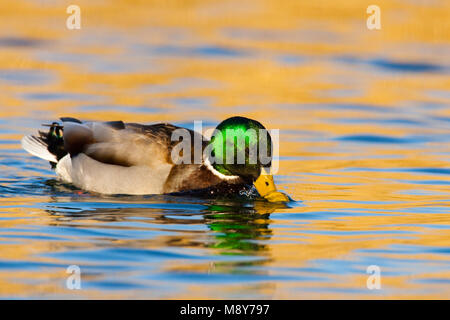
(267, 184)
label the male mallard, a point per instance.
(130, 158)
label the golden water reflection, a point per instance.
(364, 128)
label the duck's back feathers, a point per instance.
(117, 143)
(110, 158)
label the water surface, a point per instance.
(364, 125)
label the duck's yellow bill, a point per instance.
(266, 188)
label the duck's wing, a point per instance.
(168, 136)
(124, 144)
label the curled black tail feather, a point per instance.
(54, 141)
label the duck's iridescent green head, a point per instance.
(240, 147)
(243, 147)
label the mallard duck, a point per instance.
(129, 158)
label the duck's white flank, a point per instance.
(89, 174)
(64, 169)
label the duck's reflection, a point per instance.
(233, 226)
(208, 240)
(240, 229)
